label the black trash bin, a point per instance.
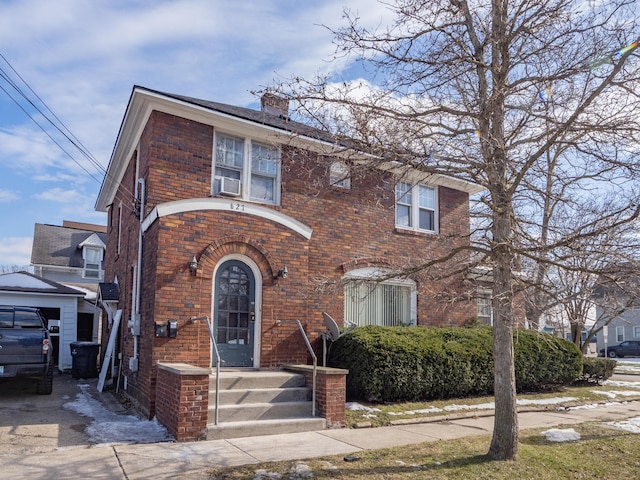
(84, 359)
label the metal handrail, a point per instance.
(315, 362)
(215, 347)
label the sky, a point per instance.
(77, 62)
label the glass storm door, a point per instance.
(234, 315)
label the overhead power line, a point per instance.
(53, 120)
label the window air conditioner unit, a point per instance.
(229, 186)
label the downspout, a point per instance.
(135, 312)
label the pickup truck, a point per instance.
(25, 347)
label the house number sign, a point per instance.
(237, 207)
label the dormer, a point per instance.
(93, 254)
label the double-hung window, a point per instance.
(416, 207)
(264, 172)
(620, 333)
(485, 309)
(339, 175)
(255, 165)
(229, 156)
(92, 262)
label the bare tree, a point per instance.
(573, 278)
(458, 88)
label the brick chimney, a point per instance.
(275, 105)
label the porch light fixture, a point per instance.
(193, 265)
(283, 272)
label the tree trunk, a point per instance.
(504, 444)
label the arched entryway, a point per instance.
(235, 312)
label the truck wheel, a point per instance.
(612, 354)
(45, 386)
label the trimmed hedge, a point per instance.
(596, 370)
(388, 364)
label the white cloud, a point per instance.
(60, 195)
(8, 196)
(15, 250)
(83, 58)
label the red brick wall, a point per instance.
(183, 402)
(348, 226)
(331, 392)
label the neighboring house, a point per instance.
(625, 326)
(257, 221)
(555, 321)
(71, 255)
(58, 303)
(617, 300)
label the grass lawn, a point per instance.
(564, 397)
(602, 452)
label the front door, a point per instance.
(234, 314)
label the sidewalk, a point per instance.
(192, 460)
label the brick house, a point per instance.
(257, 221)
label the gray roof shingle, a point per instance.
(58, 246)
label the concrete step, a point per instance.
(264, 427)
(255, 379)
(261, 411)
(262, 395)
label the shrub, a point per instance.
(596, 370)
(414, 364)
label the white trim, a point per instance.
(414, 206)
(257, 327)
(247, 173)
(226, 205)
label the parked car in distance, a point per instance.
(628, 348)
(25, 347)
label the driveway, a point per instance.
(31, 423)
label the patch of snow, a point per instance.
(357, 407)
(429, 410)
(630, 367)
(262, 474)
(616, 383)
(545, 401)
(480, 406)
(560, 435)
(614, 393)
(109, 427)
(632, 425)
(302, 471)
(20, 280)
(590, 406)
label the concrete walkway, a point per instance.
(191, 460)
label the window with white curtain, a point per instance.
(369, 301)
